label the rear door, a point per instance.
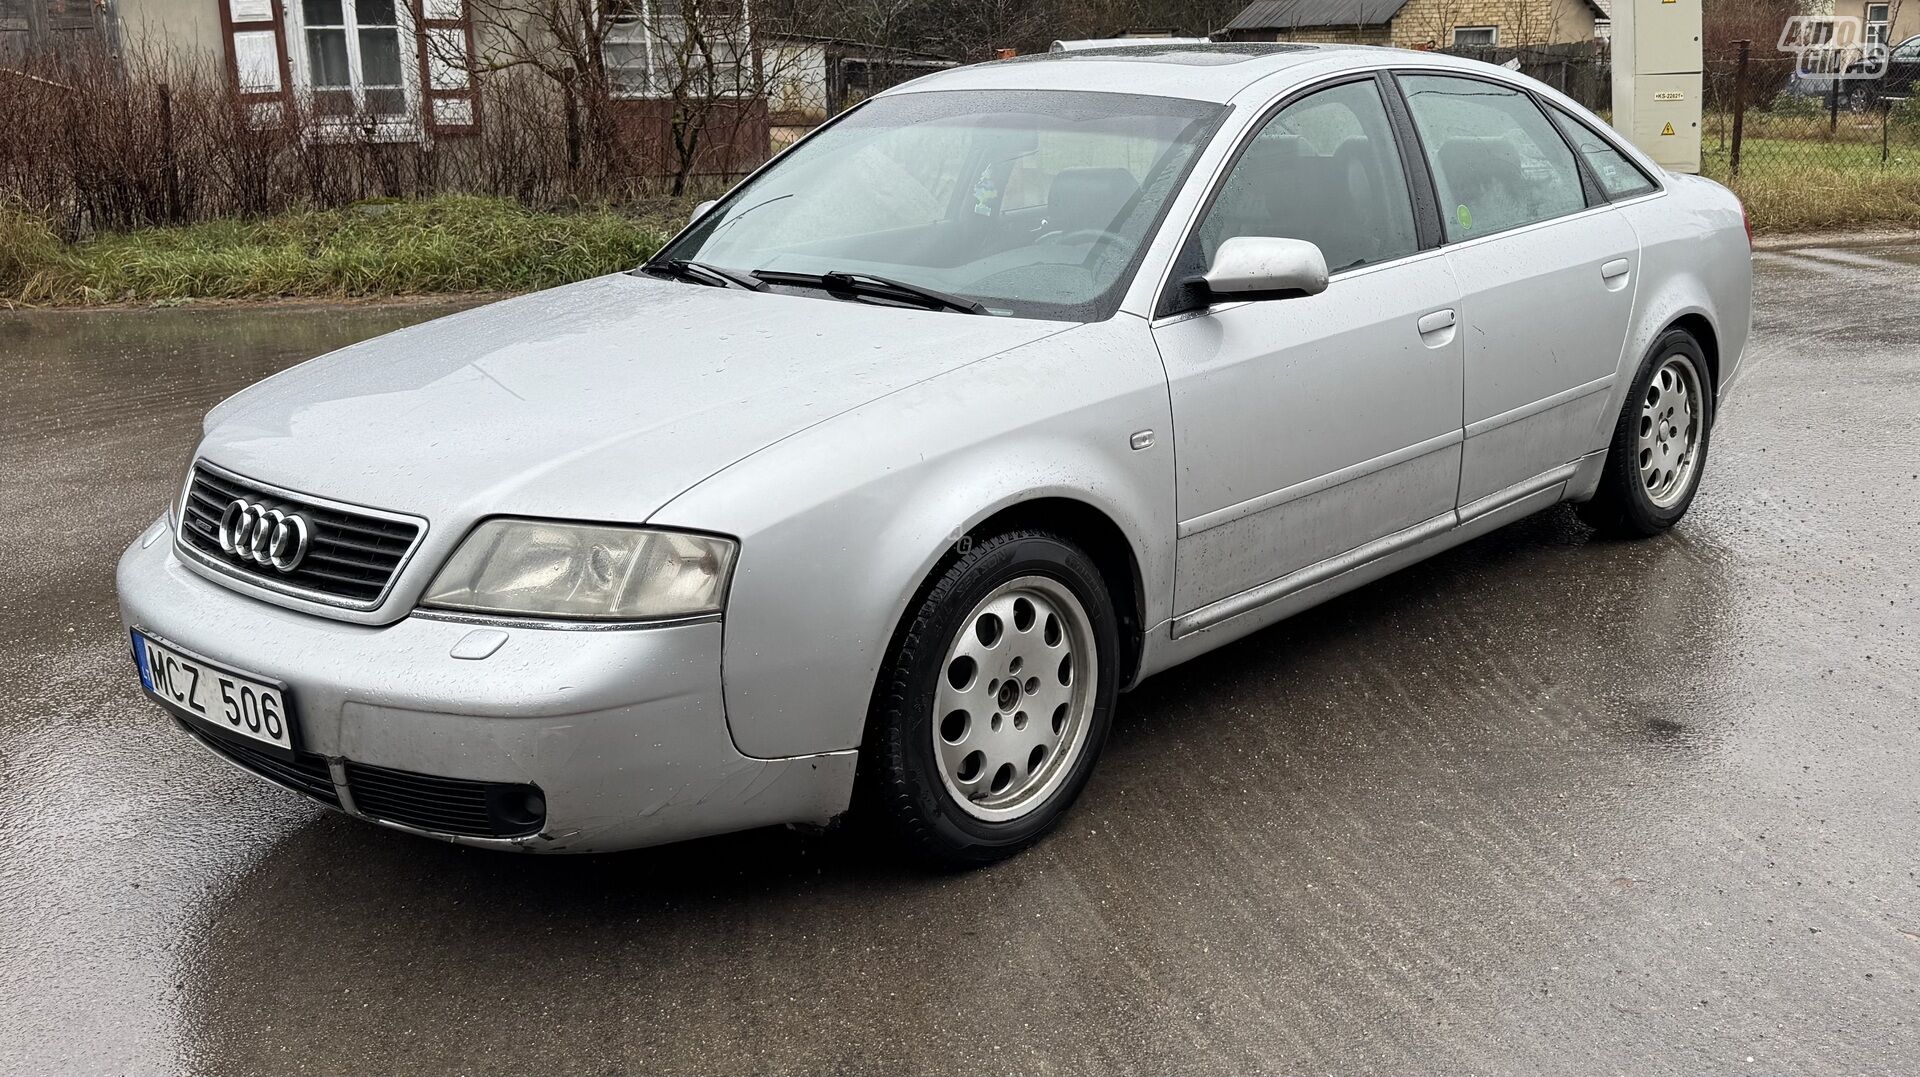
(1307, 428)
(1547, 272)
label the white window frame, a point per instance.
(657, 83)
(1492, 32)
(1879, 29)
(404, 127)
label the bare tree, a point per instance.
(1530, 22)
(700, 67)
(1429, 24)
(565, 42)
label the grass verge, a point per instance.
(1809, 184)
(436, 245)
(1787, 189)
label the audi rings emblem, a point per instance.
(254, 532)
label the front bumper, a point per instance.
(623, 731)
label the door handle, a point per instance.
(1438, 320)
(1616, 268)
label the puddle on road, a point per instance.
(74, 371)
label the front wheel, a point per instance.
(1659, 447)
(994, 701)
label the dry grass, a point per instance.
(1805, 185)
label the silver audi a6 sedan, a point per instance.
(1003, 391)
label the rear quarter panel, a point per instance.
(1695, 259)
(840, 524)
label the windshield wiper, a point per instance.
(702, 273)
(871, 287)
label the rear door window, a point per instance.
(1618, 176)
(1498, 163)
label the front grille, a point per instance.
(307, 773)
(446, 805)
(352, 556)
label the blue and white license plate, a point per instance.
(217, 696)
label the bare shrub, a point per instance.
(98, 144)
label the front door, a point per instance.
(1307, 428)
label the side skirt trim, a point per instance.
(1500, 499)
(1274, 590)
(1254, 597)
(1276, 498)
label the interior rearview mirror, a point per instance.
(1266, 267)
(700, 210)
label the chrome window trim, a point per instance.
(1387, 70)
(1533, 226)
(186, 551)
(1336, 275)
(1608, 134)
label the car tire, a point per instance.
(994, 700)
(1659, 448)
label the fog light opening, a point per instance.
(517, 809)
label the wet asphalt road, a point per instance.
(1545, 804)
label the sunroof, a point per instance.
(1186, 55)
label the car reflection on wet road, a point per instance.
(1544, 804)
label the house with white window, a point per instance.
(1887, 22)
(395, 71)
(390, 70)
(1419, 24)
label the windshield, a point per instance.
(1034, 204)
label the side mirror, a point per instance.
(700, 210)
(1266, 267)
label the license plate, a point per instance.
(220, 697)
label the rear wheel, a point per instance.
(994, 701)
(1659, 447)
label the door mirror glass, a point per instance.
(700, 210)
(1266, 267)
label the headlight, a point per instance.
(177, 504)
(541, 568)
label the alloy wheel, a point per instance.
(1015, 698)
(1670, 425)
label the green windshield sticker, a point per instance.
(1465, 217)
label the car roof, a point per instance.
(1216, 72)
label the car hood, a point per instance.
(599, 400)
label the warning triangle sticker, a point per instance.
(1668, 130)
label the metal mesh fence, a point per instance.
(1766, 121)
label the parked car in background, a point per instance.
(1891, 80)
(1008, 389)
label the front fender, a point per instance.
(841, 524)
